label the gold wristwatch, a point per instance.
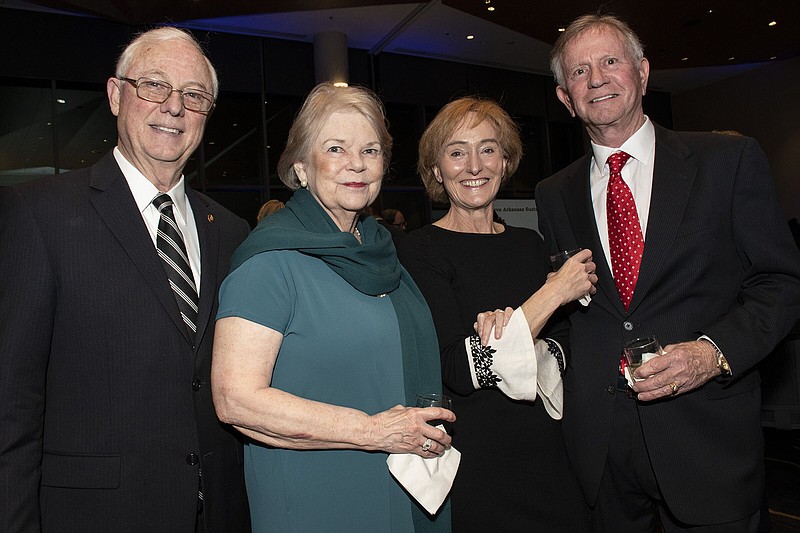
(722, 364)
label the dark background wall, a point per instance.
(762, 103)
(263, 82)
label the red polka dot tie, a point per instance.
(624, 231)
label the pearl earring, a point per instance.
(303, 184)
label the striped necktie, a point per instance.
(172, 252)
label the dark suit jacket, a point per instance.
(718, 260)
(105, 405)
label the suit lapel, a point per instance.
(115, 205)
(673, 177)
(208, 234)
(578, 204)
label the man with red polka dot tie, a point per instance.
(696, 254)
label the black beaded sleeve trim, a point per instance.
(552, 347)
(482, 359)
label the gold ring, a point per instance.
(674, 387)
(427, 445)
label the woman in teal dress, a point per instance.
(322, 338)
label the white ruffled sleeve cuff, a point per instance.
(519, 366)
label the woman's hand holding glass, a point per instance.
(576, 278)
(434, 399)
(407, 430)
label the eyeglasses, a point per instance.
(159, 91)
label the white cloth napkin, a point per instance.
(428, 480)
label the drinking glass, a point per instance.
(558, 261)
(434, 399)
(640, 351)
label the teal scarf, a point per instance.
(371, 268)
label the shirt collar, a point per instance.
(639, 146)
(144, 191)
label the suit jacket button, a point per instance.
(628, 326)
(192, 459)
(197, 385)
(611, 389)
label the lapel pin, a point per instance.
(211, 218)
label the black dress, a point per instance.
(514, 474)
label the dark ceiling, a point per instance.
(707, 32)
(677, 34)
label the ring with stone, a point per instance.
(674, 385)
(427, 445)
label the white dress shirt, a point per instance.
(637, 174)
(144, 192)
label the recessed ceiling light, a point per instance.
(731, 58)
(774, 57)
(773, 23)
(61, 101)
(684, 59)
(562, 29)
(470, 37)
(490, 8)
(710, 11)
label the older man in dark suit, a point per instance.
(108, 290)
(691, 247)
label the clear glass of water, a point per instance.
(434, 399)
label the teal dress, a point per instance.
(357, 333)
(341, 347)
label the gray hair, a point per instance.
(589, 22)
(323, 101)
(158, 35)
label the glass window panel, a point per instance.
(85, 127)
(532, 166)
(406, 123)
(280, 112)
(232, 142)
(26, 131)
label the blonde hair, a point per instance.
(448, 120)
(323, 101)
(586, 23)
(269, 207)
(159, 35)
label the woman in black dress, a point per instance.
(514, 474)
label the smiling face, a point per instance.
(604, 85)
(159, 138)
(344, 168)
(471, 166)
